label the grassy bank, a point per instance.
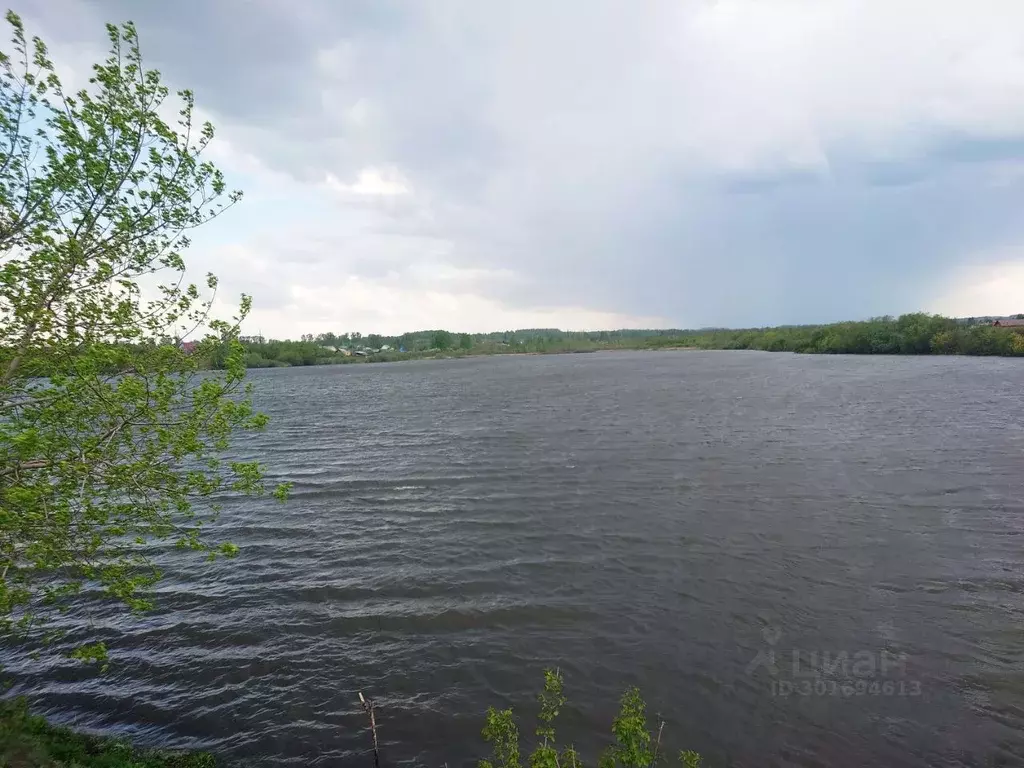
(28, 741)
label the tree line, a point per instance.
(910, 334)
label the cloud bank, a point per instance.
(482, 166)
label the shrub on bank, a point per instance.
(28, 741)
(635, 746)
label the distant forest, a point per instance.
(911, 334)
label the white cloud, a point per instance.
(372, 181)
(300, 291)
(381, 306)
(763, 82)
(989, 289)
(229, 153)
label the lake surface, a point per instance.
(714, 527)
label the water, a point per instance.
(657, 519)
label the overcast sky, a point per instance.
(482, 165)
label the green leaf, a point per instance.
(112, 435)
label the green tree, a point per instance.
(441, 340)
(121, 441)
(465, 341)
(633, 747)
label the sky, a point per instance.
(481, 165)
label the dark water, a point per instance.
(657, 519)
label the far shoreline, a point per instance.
(916, 334)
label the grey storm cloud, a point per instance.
(678, 160)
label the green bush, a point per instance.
(634, 745)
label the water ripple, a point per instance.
(662, 520)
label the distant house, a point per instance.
(385, 348)
(188, 347)
(1009, 322)
(345, 352)
(329, 348)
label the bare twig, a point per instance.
(17, 467)
(368, 706)
(657, 745)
